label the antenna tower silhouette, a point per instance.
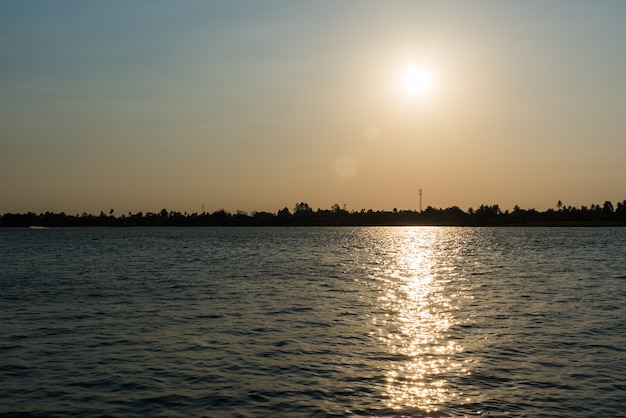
(420, 193)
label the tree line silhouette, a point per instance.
(303, 215)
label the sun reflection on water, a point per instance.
(418, 314)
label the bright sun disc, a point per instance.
(416, 81)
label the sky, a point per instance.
(255, 106)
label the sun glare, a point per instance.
(416, 81)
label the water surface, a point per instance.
(308, 322)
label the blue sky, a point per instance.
(258, 105)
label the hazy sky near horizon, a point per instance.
(250, 105)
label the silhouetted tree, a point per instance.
(486, 214)
(284, 213)
(620, 211)
(301, 208)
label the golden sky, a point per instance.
(139, 106)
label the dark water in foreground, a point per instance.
(313, 322)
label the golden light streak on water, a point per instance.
(419, 313)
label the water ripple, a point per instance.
(316, 322)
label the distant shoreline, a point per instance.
(303, 215)
(234, 224)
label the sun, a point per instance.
(416, 81)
